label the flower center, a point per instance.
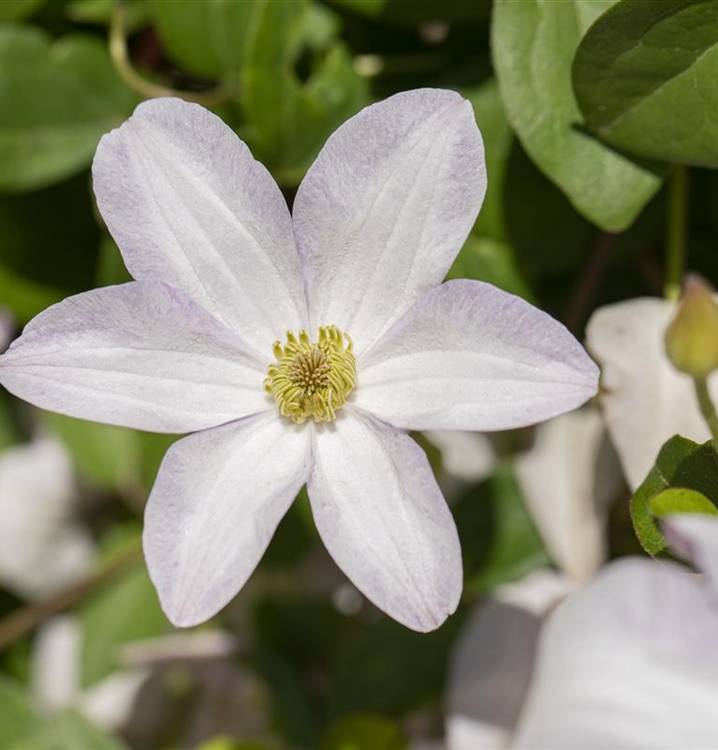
(312, 379)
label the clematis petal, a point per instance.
(188, 205)
(141, 355)
(492, 662)
(468, 356)
(386, 207)
(695, 538)
(218, 498)
(644, 399)
(384, 520)
(627, 662)
(569, 478)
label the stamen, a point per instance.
(312, 379)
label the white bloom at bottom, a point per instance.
(375, 345)
(627, 661)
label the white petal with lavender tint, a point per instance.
(218, 498)
(645, 399)
(139, 355)
(694, 537)
(187, 204)
(492, 662)
(627, 662)
(468, 356)
(385, 208)
(569, 478)
(384, 520)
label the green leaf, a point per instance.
(498, 538)
(207, 37)
(100, 12)
(20, 723)
(56, 100)
(683, 464)
(533, 43)
(72, 731)
(497, 136)
(126, 609)
(490, 260)
(370, 674)
(16, 10)
(105, 455)
(679, 500)
(416, 11)
(644, 76)
(363, 731)
(49, 245)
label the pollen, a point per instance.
(312, 378)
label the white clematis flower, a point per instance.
(375, 345)
(625, 662)
(645, 400)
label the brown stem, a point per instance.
(27, 618)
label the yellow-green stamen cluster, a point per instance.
(312, 379)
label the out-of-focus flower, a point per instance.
(645, 400)
(468, 456)
(569, 479)
(625, 662)
(195, 345)
(43, 547)
(220, 697)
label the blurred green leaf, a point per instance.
(110, 266)
(364, 732)
(48, 246)
(20, 723)
(100, 12)
(416, 11)
(288, 120)
(126, 609)
(16, 10)
(490, 260)
(497, 136)
(208, 38)
(388, 669)
(498, 538)
(104, 455)
(681, 463)
(533, 45)
(644, 77)
(72, 731)
(56, 100)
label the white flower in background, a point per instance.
(645, 400)
(43, 548)
(467, 456)
(352, 286)
(569, 479)
(628, 661)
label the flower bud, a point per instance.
(692, 337)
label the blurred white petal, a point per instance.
(568, 478)
(469, 456)
(493, 659)
(644, 399)
(694, 537)
(42, 549)
(627, 662)
(55, 663)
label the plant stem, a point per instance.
(22, 621)
(147, 89)
(676, 232)
(707, 408)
